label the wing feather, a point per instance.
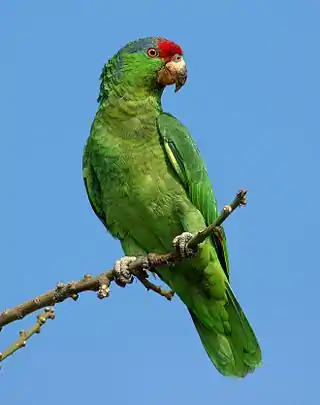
(186, 160)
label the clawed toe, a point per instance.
(180, 242)
(122, 275)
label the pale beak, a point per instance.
(174, 72)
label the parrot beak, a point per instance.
(174, 72)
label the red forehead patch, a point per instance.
(168, 48)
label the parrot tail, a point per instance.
(236, 353)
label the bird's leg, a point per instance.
(122, 274)
(180, 242)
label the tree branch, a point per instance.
(26, 335)
(101, 283)
(239, 200)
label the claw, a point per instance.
(180, 242)
(122, 274)
(145, 267)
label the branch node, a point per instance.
(103, 290)
(37, 301)
(242, 196)
(41, 319)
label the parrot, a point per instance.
(147, 183)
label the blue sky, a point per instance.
(252, 103)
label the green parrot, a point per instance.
(146, 181)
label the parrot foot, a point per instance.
(122, 275)
(180, 242)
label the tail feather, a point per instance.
(236, 353)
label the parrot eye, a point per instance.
(152, 52)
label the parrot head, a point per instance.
(150, 63)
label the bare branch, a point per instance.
(168, 294)
(239, 200)
(25, 335)
(101, 283)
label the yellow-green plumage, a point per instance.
(147, 183)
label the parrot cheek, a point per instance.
(165, 77)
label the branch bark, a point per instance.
(101, 283)
(26, 335)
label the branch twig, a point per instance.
(102, 282)
(26, 335)
(239, 200)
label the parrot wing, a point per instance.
(236, 351)
(186, 160)
(93, 187)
